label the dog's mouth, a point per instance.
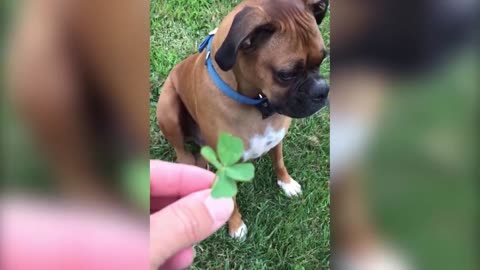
(303, 98)
(300, 106)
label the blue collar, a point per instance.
(261, 103)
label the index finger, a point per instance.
(173, 179)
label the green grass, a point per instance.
(283, 233)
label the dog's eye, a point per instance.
(286, 76)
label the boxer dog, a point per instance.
(259, 69)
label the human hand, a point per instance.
(182, 213)
(47, 233)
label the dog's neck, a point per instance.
(243, 86)
(233, 77)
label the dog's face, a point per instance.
(277, 48)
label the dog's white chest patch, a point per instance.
(262, 143)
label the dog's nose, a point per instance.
(319, 90)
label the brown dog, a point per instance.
(264, 50)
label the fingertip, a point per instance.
(182, 260)
(219, 209)
(172, 179)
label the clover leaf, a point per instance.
(209, 154)
(241, 172)
(230, 150)
(224, 186)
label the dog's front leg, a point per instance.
(288, 185)
(236, 227)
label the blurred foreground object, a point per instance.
(41, 234)
(77, 75)
(75, 112)
(403, 135)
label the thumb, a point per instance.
(184, 223)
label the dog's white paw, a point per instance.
(240, 233)
(291, 189)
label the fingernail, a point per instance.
(194, 247)
(219, 209)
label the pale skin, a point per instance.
(182, 213)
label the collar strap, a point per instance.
(261, 102)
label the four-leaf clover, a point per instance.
(230, 150)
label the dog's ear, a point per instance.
(249, 30)
(319, 9)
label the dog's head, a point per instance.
(276, 47)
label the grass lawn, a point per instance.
(283, 233)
